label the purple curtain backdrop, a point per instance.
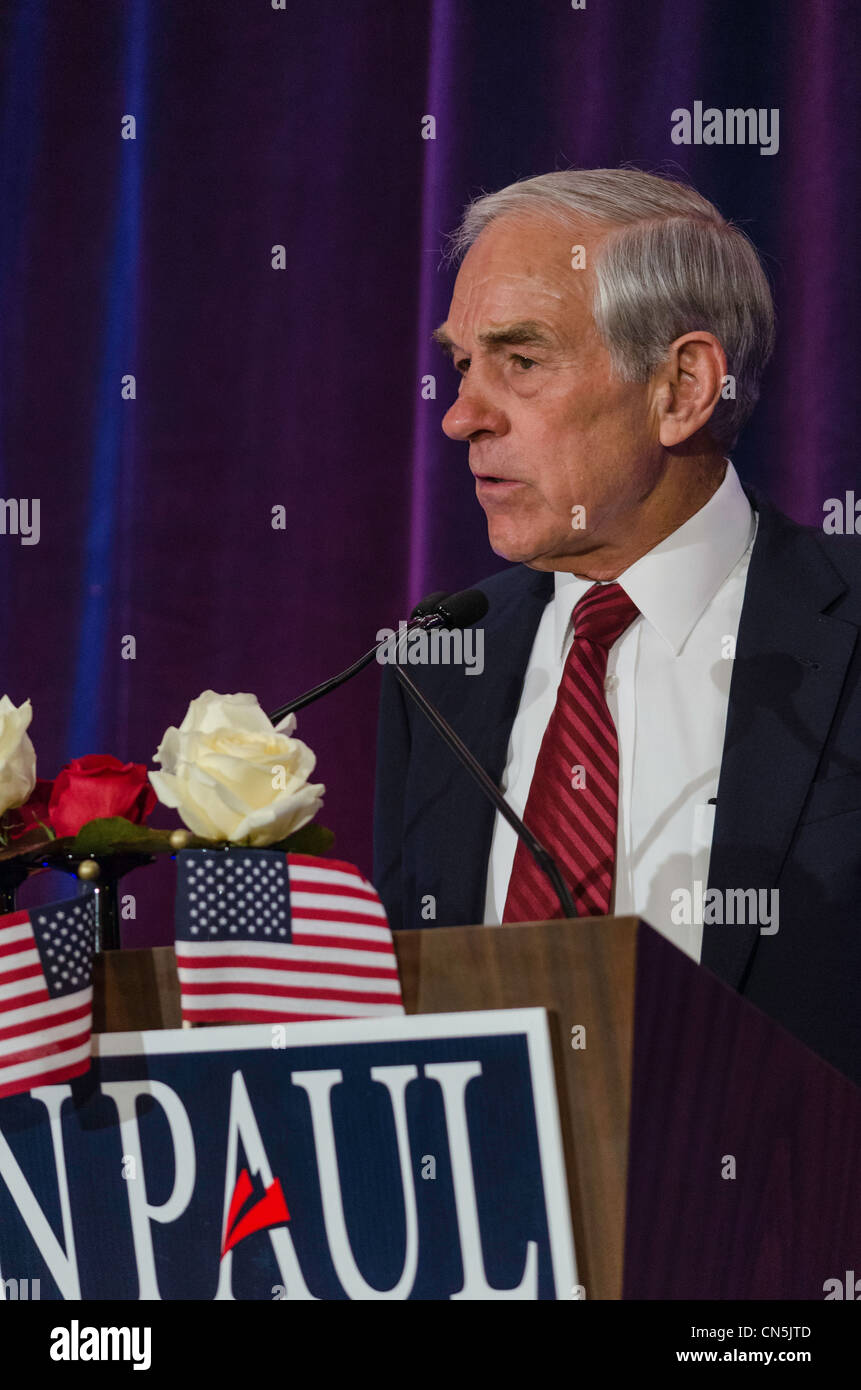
(256, 387)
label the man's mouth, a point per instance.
(490, 485)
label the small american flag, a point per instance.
(263, 937)
(46, 994)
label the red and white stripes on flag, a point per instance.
(266, 937)
(46, 994)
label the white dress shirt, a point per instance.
(667, 687)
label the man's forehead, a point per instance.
(525, 241)
(516, 274)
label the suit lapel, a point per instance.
(508, 649)
(790, 666)
(482, 709)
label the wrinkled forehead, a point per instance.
(525, 267)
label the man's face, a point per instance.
(549, 428)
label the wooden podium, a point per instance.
(709, 1153)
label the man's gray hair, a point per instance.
(670, 264)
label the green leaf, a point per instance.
(110, 837)
(114, 834)
(311, 839)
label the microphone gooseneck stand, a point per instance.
(427, 614)
(447, 611)
(542, 857)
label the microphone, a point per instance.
(463, 609)
(426, 606)
(450, 611)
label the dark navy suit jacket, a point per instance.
(788, 810)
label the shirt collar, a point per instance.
(674, 583)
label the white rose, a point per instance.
(17, 754)
(232, 776)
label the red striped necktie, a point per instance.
(574, 796)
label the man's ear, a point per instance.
(687, 386)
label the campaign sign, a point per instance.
(416, 1157)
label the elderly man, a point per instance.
(671, 695)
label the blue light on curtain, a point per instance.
(113, 450)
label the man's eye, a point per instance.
(523, 362)
(462, 365)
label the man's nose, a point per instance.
(473, 414)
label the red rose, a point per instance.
(23, 818)
(99, 785)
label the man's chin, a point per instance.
(538, 552)
(506, 548)
(519, 550)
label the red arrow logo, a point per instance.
(270, 1211)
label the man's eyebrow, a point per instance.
(442, 340)
(524, 333)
